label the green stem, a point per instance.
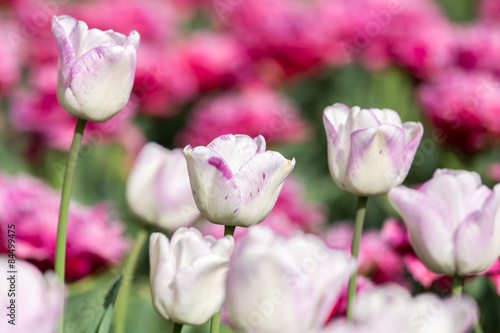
(457, 285)
(215, 323)
(477, 327)
(128, 275)
(229, 230)
(177, 328)
(62, 226)
(358, 229)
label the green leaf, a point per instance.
(103, 316)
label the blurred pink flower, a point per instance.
(477, 47)
(377, 259)
(464, 106)
(218, 60)
(12, 53)
(33, 207)
(290, 214)
(489, 11)
(38, 112)
(155, 20)
(163, 80)
(253, 111)
(298, 35)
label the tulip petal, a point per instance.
(196, 284)
(236, 150)
(162, 272)
(260, 181)
(413, 135)
(429, 228)
(387, 116)
(97, 38)
(62, 27)
(336, 151)
(374, 160)
(141, 199)
(477, 240)
(188, 244)
(360, 119)
(98, 74)
(214, 188)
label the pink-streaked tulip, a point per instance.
(458, 232)
(96, 69)
(158, 189)
(235, 181)
(392, 309)
(291, 213)
(188, 275)
(369, 150)
(38, 298)
(284, 285)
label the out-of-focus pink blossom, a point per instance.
(489, 11)
(33, 207)
(154, 20)
(377, 259)
(253, 111)
(477, 47)
(12, 52)
(296, 34)
(163, 80)
(290, 214)
(464, 105)
(39, 113)
(218, 60)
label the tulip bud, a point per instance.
(392, 309)
(188, 275)
(235, 181)
(32, 301)
(158, 189)
(369, 151)
(453, 221)
(96, 69)
(284, 285)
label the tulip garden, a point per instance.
(250, 166)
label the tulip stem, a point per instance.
(177, 328)
(128, 276)
(457, 285)
(215, 322)
(358, 229)
(60, 256)
(229, 230)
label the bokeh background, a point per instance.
(212, 67)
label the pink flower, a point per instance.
(477, 47)
(255, 111)
(163, 80)
(295, 34)
(290, 214)
(154, 20)
(377, 259)
(11, 55)
(489, 10)
(463, 106)
(33, 207)
(39, 113)
(218, 60)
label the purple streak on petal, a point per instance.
(221, 166)
(263, 176)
